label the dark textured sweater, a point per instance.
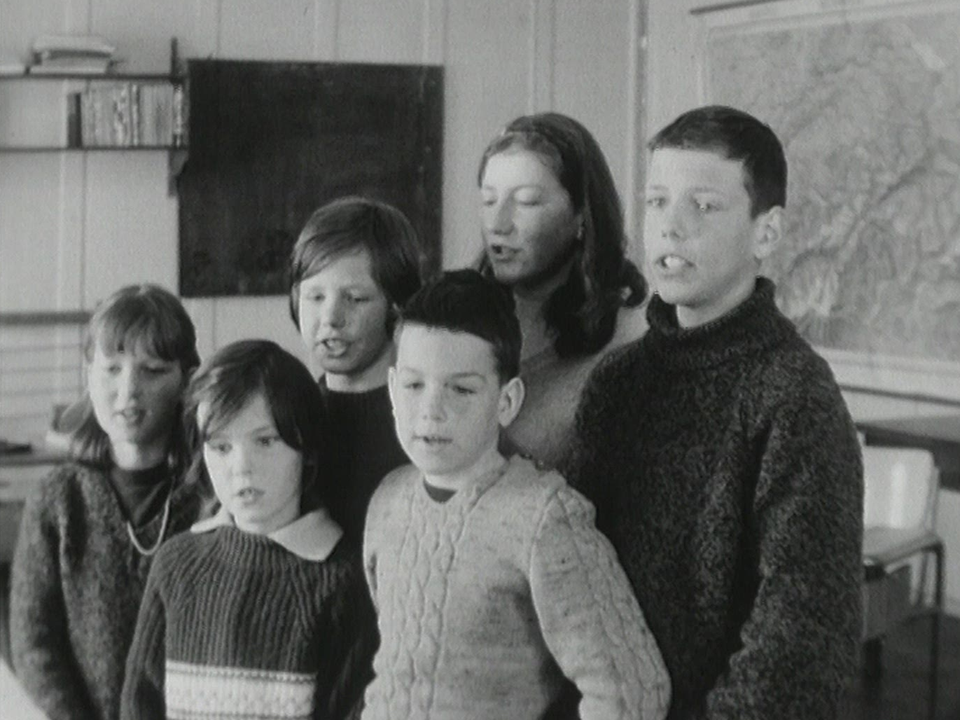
(232, 624)
(77, 583)
(726, 472)
(365, 439)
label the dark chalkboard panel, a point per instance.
(271, 142)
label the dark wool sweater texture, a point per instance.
(364, 439)
(726, 471)
(231, 599)
(76, 586)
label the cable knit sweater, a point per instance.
(235, 625)
(726, 471)
(486, 601)
(77, 583)
(365, 437)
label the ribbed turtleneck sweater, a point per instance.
(363, 433)
(726, 472)
(233, 625)
(76, 585)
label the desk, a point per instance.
(939, 435)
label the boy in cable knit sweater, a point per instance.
(490, 580)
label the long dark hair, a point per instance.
(583, 310)
(146, 316)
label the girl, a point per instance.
(260, 611)
(553, 233)
(90, 531)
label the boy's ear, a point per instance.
(768, 229)
(512, 393)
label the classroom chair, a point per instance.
(900, 501)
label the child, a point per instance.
(719, 451)
(491, 582)
(89, 532)
(356, 261)
(261, 610)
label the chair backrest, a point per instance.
(900, 487)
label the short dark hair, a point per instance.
(583, 310)
(735, 135)
(466, 301)
(348, 225)
(146, 316)
(226, 382)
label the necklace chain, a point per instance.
(163, 529)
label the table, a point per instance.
(938, 434)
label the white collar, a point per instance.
(312, 536)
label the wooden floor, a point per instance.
(902, 691)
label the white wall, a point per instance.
(75, 226)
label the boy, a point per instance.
(490, 580)
(356, 261)
(719, 451)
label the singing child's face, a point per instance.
(702, 245)
(343, 322)
(448, 401)
(255, 474)
(135, 396)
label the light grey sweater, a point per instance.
(485, 602)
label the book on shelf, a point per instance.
(128, 114)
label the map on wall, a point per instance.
(865, 96)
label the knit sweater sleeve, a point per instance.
(801, 637)
(142, 697)
(42, 651)
(589, 617)
(586, 464)
(349, 655)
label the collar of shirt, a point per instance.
(312, 536)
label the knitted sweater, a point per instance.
(363, 433)
(234, 625)
(545, 425)
(726, 472)
(76, 586)
(486, 601)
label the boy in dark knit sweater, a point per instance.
(356, 261)
(719, 451)
(260, 611)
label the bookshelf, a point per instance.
(101, 111)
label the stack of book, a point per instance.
(72, 54)
(127, 114)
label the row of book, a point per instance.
(127, 114)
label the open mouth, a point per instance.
(501, 253)
(673, 263)
(248, 494)
(334, 347)
(433, 441)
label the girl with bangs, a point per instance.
(90, 530)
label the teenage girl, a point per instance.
(91, 529)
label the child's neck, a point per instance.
(134, 456)
(489, 462)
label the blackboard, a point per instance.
(270, 142)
